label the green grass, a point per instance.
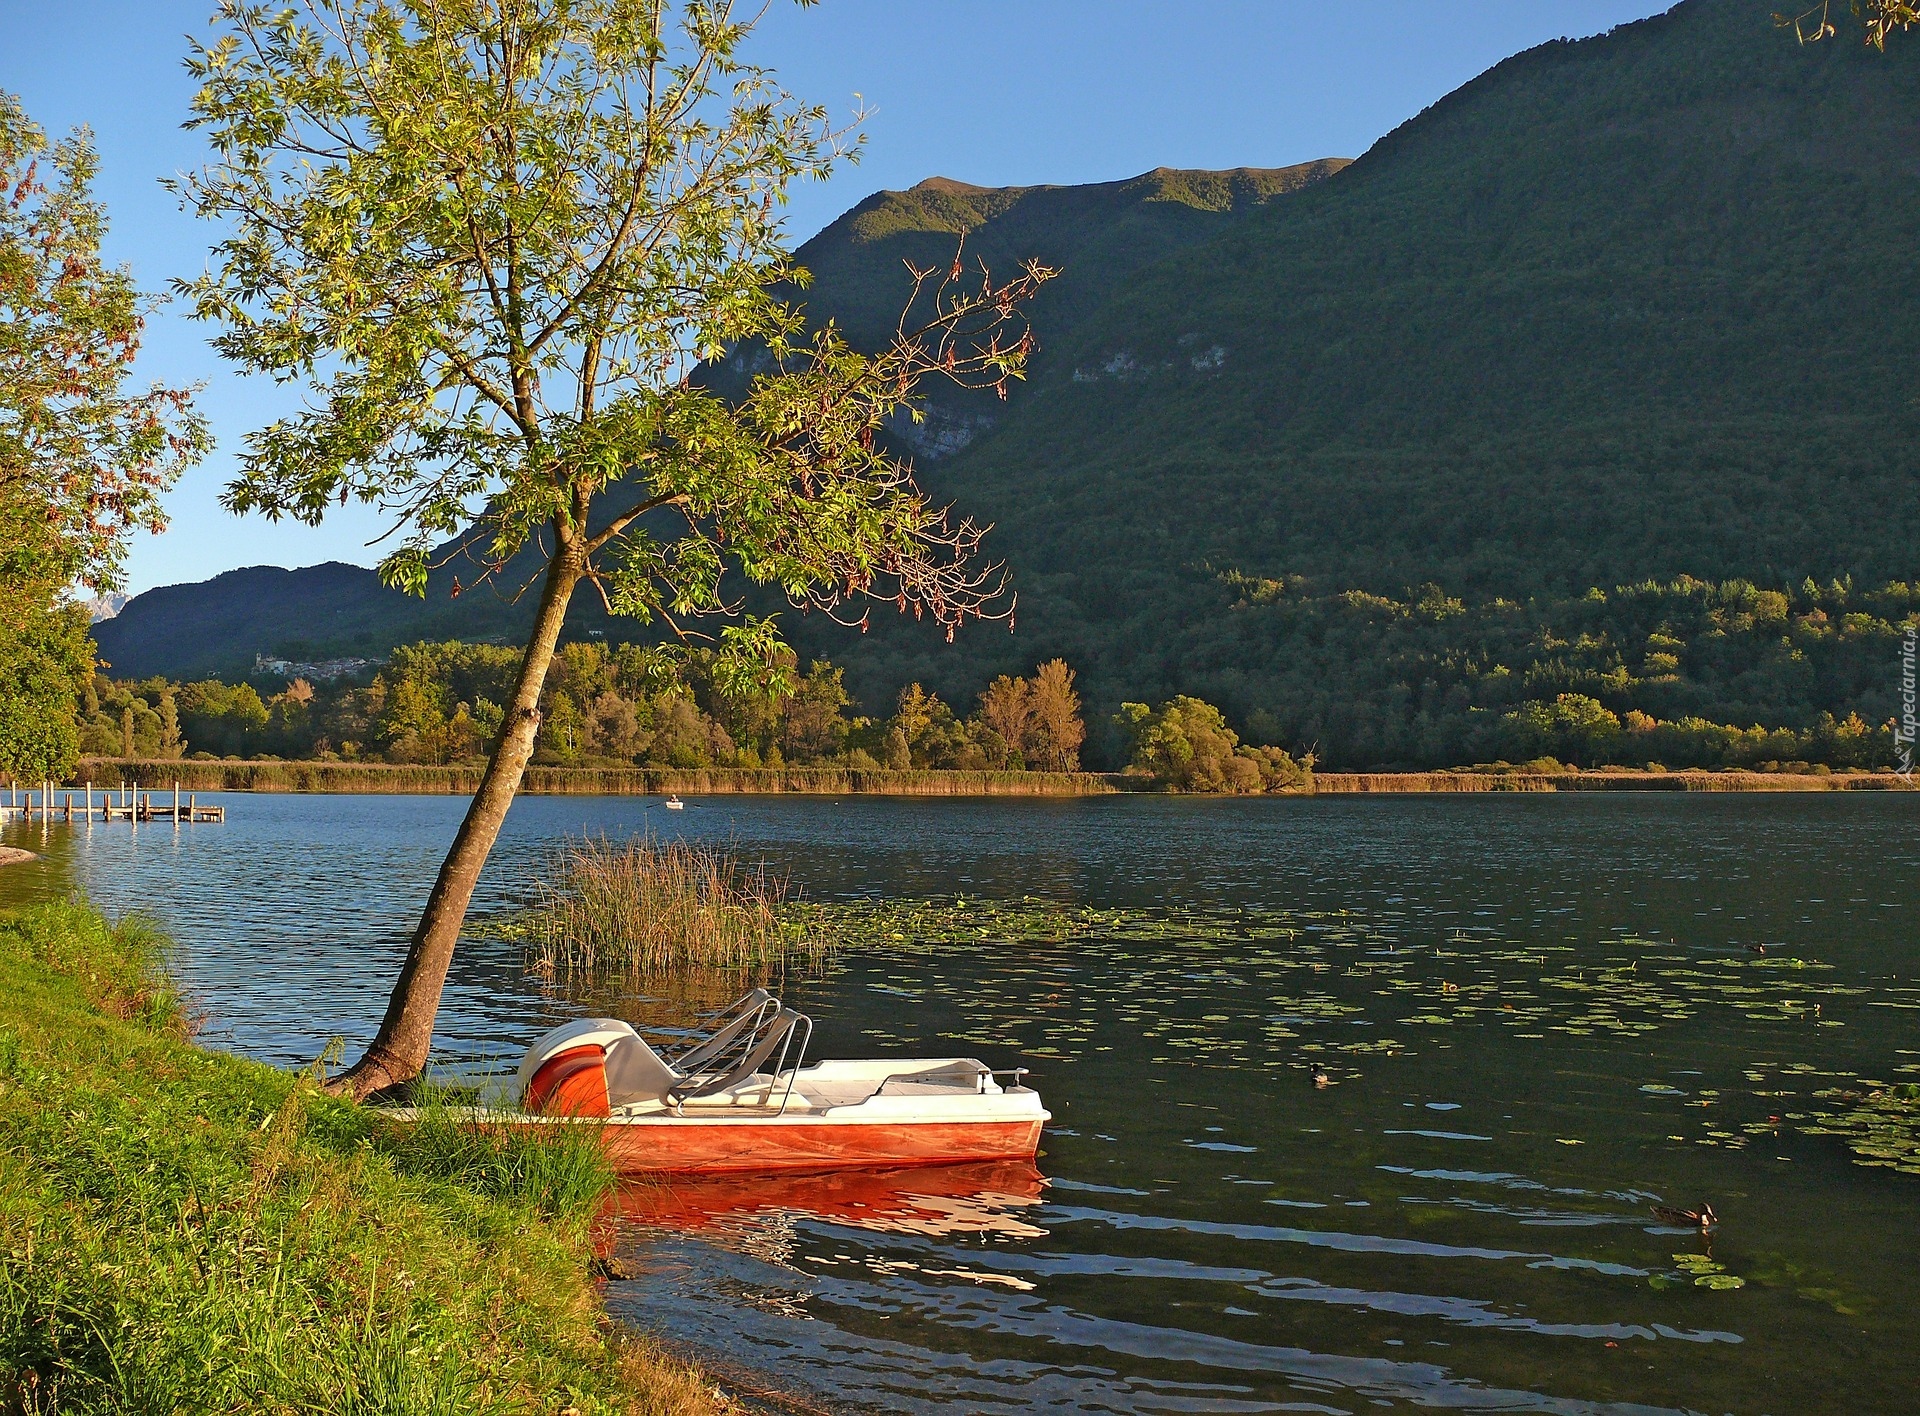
(189, 1232)
(562, 1172)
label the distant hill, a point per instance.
(105, 607)
(217, 626)
(1631, 309)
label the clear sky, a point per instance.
(996, 92)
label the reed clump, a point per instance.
(647, 907)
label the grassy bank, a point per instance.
(189, 1232)
(224, 776)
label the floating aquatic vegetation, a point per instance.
(1697, 1271)
(1263, 989)
(1881, 1127)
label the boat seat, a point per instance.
(777, 1037)
(824, 1096)
(636, 1073)
(946, 1085)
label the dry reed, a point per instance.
(648, 907)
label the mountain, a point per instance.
(105, 607)
(1534, 398)
(1097, 235)
(1631, 308)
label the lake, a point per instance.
(1537, 1016)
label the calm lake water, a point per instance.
(1539, 1016)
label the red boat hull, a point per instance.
(789, 1143)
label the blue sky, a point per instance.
(996, 92)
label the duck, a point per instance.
(1321, 1079)
(1702, 1218)
(1756, 948)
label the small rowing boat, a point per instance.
(740, 1096)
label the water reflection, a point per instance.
(992, 1199)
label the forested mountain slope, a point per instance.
(1626, 309)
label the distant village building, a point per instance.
(322, 672)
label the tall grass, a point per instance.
(648, 907)
(561, 1169)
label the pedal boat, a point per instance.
(741, 1097)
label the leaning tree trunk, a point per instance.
(399, 1049)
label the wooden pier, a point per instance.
(126, 802)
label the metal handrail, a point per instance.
(779, 1034)
(793, 1073)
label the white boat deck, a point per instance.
(891, 1086)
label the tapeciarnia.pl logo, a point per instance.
(1909, 726)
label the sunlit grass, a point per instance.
(561, 1169)
(190, 1232)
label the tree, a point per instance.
(1880, 19)
(82, 459)
(1186, 745)
(1006, 707)
(815, 724)
(1055, 730)
(45, 658)
(1573, 727)
(496, 239)
(1038, 719)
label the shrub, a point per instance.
(1186, 746)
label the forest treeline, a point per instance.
(624, 706)
(1683, 674)
(1679, 673)
(603, 706)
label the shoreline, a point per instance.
(358, 778)
(1460, 780)
(370, 778)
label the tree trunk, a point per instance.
(399, 1049)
